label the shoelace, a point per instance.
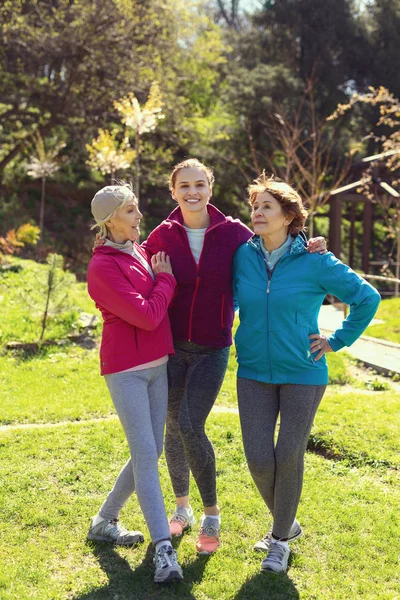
(209, 530)
(276, 553)
(117, 527)
(166, 557)
(179, 518)
(267, 537)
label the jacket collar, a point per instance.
(114, 250)
(216, 216)
(299, 245)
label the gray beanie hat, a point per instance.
(108, 199)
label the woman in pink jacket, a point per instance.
(133, 297)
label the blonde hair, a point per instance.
(290, 201)
(190, 163)
(124, 191)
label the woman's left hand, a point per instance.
(317, 244)
(319, 342)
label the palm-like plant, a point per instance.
(43, 164)
(142, 119)
(108, 155)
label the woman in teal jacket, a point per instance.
(282, 370)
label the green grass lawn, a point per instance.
(389, 312)
(55, 479)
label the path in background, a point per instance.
(379, 354)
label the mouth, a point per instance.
(193, 200)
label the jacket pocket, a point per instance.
(223, 312)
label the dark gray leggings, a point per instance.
(277, 470)
(195, 376)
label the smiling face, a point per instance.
(192, 190)
(124, 225)
(268, 218)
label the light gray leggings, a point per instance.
(140, 399)
(277, 470)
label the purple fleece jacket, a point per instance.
(201, 310)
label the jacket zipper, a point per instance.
(136, 340)
(268, 290)
(223, 311)
(197, 276)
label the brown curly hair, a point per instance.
(286, 195)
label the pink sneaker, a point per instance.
(181, 520)
(208, 539)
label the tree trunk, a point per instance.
(396, 285)
(310, 224)
(41, 216)
(137, 166)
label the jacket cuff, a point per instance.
(335, 343)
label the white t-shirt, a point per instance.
(196, 241)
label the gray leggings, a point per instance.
(195, 376)
(140, 399)
(277, 470)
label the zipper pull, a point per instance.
(269, 285)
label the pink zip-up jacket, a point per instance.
(134, 309)
(202, 309)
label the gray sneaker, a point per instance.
(294, 534)
(167, 566)
(276, 559)
(181, 520)
(112, 531)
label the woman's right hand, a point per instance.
(98, 241)
(160, 263)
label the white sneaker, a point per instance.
(294, 534)
(112, 531)
(167, 566)
(276, 559)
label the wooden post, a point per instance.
(335, 225)
(352, 233)
(367, 226)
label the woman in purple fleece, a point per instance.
(201, 242)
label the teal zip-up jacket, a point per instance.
(279, 311)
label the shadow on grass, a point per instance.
(274, 586)
(138, 584)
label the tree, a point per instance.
(388, 143)
(63, 64)
(42, 165)
(141, 119)
(304, 153)
(48, 293)
(108, 155)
